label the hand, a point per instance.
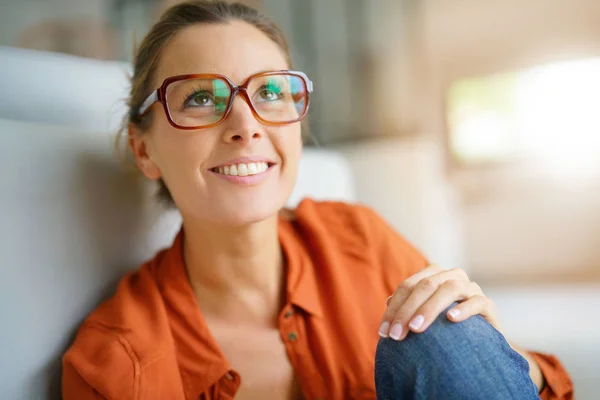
(420, 299)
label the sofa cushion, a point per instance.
(62, 89)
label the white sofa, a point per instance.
(73, 219)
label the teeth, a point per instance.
(252, 169)
(244, 169)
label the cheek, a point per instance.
(292, 141)
(291, 149)
(178, 153)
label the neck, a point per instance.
(236, 272)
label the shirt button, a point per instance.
(292, 336)
(288, 314)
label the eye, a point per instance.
(201, 98)
(270, 93)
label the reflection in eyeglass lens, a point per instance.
(198, 102)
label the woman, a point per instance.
(259, 303)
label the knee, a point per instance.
(449, 352)
(443, 340)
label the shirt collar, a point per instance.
(301, 280)
(201, 362)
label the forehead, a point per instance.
(235, 49)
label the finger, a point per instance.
(475, 305)
(450, 291)
(433, 276)
(425, 272)
(419, 295)
(400, 294)
(405, 288)
(409, 297)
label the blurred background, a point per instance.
(472, 126)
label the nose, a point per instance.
(241, 125)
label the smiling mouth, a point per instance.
(243, 169)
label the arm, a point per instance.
(547, 373)
(398, 257)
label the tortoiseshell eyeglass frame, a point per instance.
(160, 96)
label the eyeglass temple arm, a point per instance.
(148, 102)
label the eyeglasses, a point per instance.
(205, 100)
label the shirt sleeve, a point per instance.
(97, 366)
(397, 256)
(558, 385)
(74, 387)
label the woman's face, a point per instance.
(186, 160)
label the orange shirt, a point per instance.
(150, 341)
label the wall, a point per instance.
(355, 52)
(519, 223)
(77, 27)
(403, 180)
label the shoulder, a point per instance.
(356, 219)
(343, 222)
(123, 335)
(360, 232)
(136, 309)
(95, 351)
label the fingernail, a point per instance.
(396, 332)
(384, 329)
(454, 313)
(417, 322)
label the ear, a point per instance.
(138, 143)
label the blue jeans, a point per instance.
(467, 360)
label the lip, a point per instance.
(245, 160)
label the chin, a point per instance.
(240, 213)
